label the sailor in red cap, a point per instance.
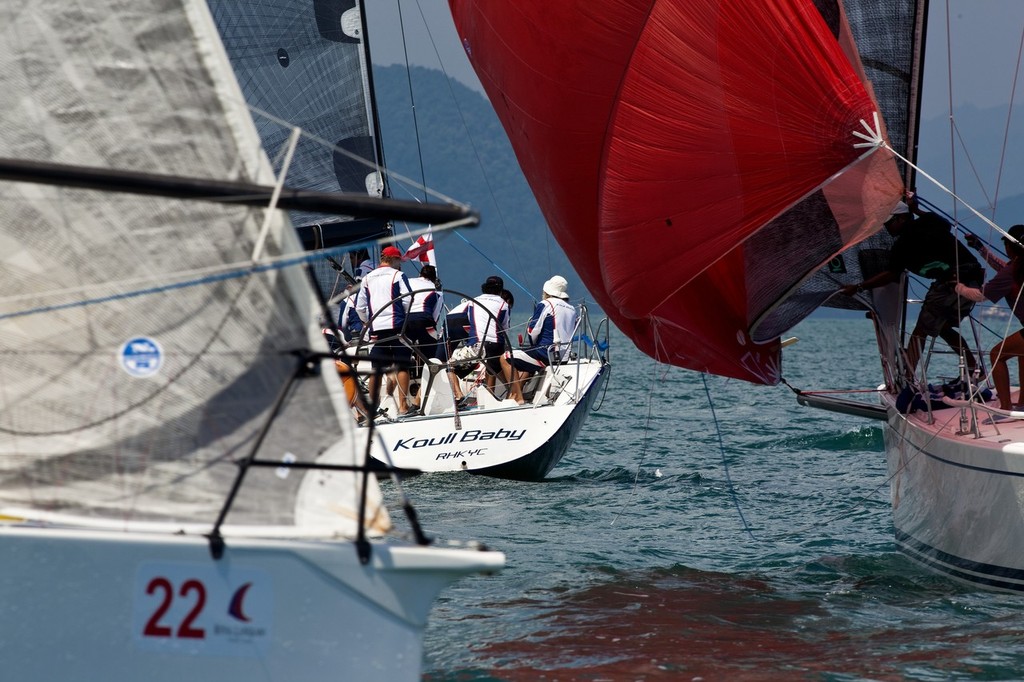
(383, 303)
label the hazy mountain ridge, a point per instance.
(466, 155)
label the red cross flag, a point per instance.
(422, 248)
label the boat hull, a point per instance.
(101, 605)
(958, 500)
(516, 442)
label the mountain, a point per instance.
(466, 155)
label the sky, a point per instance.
(983, 37)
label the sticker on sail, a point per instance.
(141, 356)
(194, 609)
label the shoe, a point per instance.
(465, 403)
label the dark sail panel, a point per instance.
(304, 64)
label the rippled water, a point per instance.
(652, 552)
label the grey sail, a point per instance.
(143, 340)
(305, 62)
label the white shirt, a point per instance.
(380, 287)
(484, 327)
(426, 299)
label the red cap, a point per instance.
(391, 252)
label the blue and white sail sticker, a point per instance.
(141, 356)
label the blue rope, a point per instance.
(489, 260)
(725, 461)
(600, 345)
(220, 277)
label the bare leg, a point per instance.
(1012, 347)
(403, 390)
(373, 386)
(1020, 382)
(515, 381)
(453, 379)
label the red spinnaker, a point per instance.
(660, 136)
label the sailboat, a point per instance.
(183, 492)
(752, 152)
(327, 53)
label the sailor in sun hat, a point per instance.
(549, 334)
(557, 286)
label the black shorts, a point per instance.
(492, 355)
(389, 350)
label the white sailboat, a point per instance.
(758, 147)
(494, 436)
(183, 492)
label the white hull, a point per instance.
(496, 437)
(112, 606)
(958, 500)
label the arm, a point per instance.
(878, 280)
(362, 304)
(533, 329)
(994, 261)
(970, 293)
(400, 287)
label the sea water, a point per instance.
(707, 529)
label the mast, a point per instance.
(374, 117)
(914, 95)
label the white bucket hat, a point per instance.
(556, 286)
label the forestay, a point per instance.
(141, 352)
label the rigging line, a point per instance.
(332, 146)
(412, 97)
(221, 273)
(492, 262)
(335, 149)
(659, 347)
(725, 460)
(948, 191)
(472, 142)
(1009, 115)
(970, 163)
(646, 439)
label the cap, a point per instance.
(1017, 232)
(390, 252)
(556, 286)
(496, 281)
